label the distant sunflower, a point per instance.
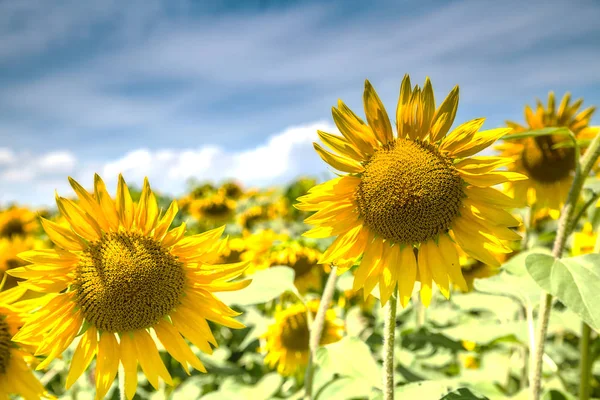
(233, 251)
(215, 209)
(550, 169)
(251, 217)
(409, 201)
(117, 273)
(232, 190)
(16, 375)
(17, 221)
(584, 241)
(9, 249)
(303, 260)
(287, 340)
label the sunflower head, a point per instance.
(304, 260)
(16, 375)
(550, 168)
(9, 250)
(287, 340)
(17, 222)
(232, 190)
(120, 270)
(213, 209)
(253, 216)
(410, 199)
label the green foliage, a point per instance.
(574, 281)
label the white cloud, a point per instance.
(283, 157)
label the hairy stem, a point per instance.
(316, 330)
(582, 170)
(584, 362)
(389, 334)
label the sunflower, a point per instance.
(287, 340)
(303, 260)
(116, 275)
(233, 251)
(16, 376)
(17, 221)
(253, 216)
(215, 209)
(232, 190)
(9, 249)
(584, 241)
(409, 201)
(550, 169)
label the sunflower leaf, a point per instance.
(555, 131)
(463, 394)
(575, 281)
(266, 285)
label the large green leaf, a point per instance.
(574, 281)
(350, 357)
(463, 394)
(266, 285)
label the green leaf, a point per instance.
(266, 285)
(350, 357)
(463, 394)
(574, 281)
(426, 389)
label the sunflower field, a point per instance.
(441, 261)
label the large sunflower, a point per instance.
(550, 169)
(117, 274)
(408, 201)
(287, 340)
(17, 221)
(16, 376)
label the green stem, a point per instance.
(316, 330)
(582, 211)
(389, 334)
(582, 170)
(584, 374)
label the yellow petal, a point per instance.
(89, 204)
(107, 363)
(403, 101)
(61, 236)
(176, 346)
(461, 135)
(129, 360)
(124, 206)
(446, 112)
(354, 129)
(492, 178)
(149, 359)
(428, 102)
(389, 273)
(106, 203)
(340, 145)
(165, 222)
(435, 262)
(408, 274)
(480, 141)
(377, 117)
(83, 355)
(452, 262)
(338, 162)
(81, 222)
(424, 277)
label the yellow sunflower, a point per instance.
(9, 249)
(253, 216)
(550, 169)
(214, 209)
(584, 241)
(232, 190)
(16, 375)
(303, 260)
(409, 201)
(287, 340)
(17, 221)
(118, 274)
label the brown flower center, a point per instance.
(5, 344)
(545, 164)
(126, 281)
(409, 192)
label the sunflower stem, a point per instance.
(316, 330)
(582, 170)
(389, 334)
(584, 363)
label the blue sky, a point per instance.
(175, 89)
